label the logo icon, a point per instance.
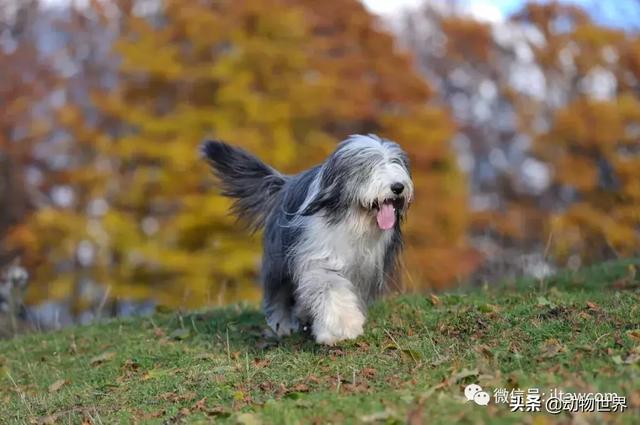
(473, 392)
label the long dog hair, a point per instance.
(331, 233)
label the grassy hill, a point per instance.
(577, 332)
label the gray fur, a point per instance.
(325, 258)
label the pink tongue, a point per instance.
(386, 217)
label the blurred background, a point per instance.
(522, 121)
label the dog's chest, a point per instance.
(358, 251)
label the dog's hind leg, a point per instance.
(331, 302)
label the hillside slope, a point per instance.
(577, 332)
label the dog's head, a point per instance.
(365, 174)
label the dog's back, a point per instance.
(254, 185)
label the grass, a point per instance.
(577, 332)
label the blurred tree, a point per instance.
(509, 85)
(593, 141)
(283, 79)
(594, 148)
(473, 64)
(27, 80)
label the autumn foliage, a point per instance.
(121, 198)
(286, 80)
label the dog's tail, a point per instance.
(253, 184)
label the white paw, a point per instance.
(345, 325)
(283, 324)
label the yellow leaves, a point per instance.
(283, 80)
(468, 40)
(577, 171)
(60, 287)
(590, 149)
(589, 123)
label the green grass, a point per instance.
(578, 332)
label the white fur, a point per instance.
(339, 266)
(335, 267)
(388, 172)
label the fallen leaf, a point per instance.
(130, 365)
(378, 416)
(248, 419)
(412, 354)
(617, 359)
(206, 356)
(634, 334)
(151, 374)
(584, 315)
(368, 372)
(293, 395)
(552, 347)
(200, 404)
(102, 358)
(464, 373)
(219, 411)
(47, 420)
(632, 358)
(489, 308)
(593, 306)
(542, 302)
(362, 345)
(302, 388)
(260, 363)
(435, 300)
(175, 397)
(180, 333)
(484, 350)
(57, 385)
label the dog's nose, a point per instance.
(397, 188)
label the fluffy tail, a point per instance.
(253, 184)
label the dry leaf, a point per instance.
(260, 363)
(634, 334)
(552, 347)
(102, 358)
(47, 420)
(248, 419)
(301, 388)
(180, 334)
(200, 404)
(57, 385)
(378, 416)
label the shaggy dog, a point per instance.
(331, 233)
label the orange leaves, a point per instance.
(283, 79)
(587, 123)
(590, 148)
(577, 171)
(468, 39)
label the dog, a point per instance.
(332, 234)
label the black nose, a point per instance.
(397, 188)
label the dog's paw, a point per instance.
(346, 325)
(283, 325)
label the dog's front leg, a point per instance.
(333, 305)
